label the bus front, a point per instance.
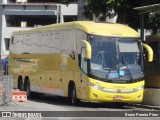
(115, 69)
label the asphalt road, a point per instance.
(54, 104)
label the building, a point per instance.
(25, 14)
(155, 8)
(152, 71)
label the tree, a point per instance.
(123, 8)
(104, 8)
(153, 23)
(65, 2)
(99, 8)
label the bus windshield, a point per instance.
(116, 59)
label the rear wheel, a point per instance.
(20, 83)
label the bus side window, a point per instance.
(83, 60)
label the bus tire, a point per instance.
(119, 104)
(27, 88)
(73, 95)
(20, 83)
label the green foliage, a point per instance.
(124, 9)
(99, 8)
(153, 23)
(64, 2)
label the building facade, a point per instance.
(26, 14)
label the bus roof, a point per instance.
(107, 29)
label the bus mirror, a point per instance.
(88, 49)
(150, 52)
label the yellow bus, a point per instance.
(81, 60)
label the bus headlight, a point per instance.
(102, 88)
(108, 90)
(93, 85)
(138, 88)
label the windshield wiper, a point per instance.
(127, 69)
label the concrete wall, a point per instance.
(30, 10)
(71, 9)
(0, 27)
(6, 33)
(151, 97)
(3, 1)
(39, 10)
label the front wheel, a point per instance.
(73, 96)
(119, 104)
(20, 85)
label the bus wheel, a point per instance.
(119, 105)
(73, 96)
(27, 88)
(20, 83)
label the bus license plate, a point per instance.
(118, 98)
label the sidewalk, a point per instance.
(146, 106)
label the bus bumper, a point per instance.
(100, 96)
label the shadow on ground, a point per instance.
(49, 99)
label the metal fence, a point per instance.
(6, 84)
(3, 69)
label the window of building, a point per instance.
(41, 1)
(29, 21)
(6, 41)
